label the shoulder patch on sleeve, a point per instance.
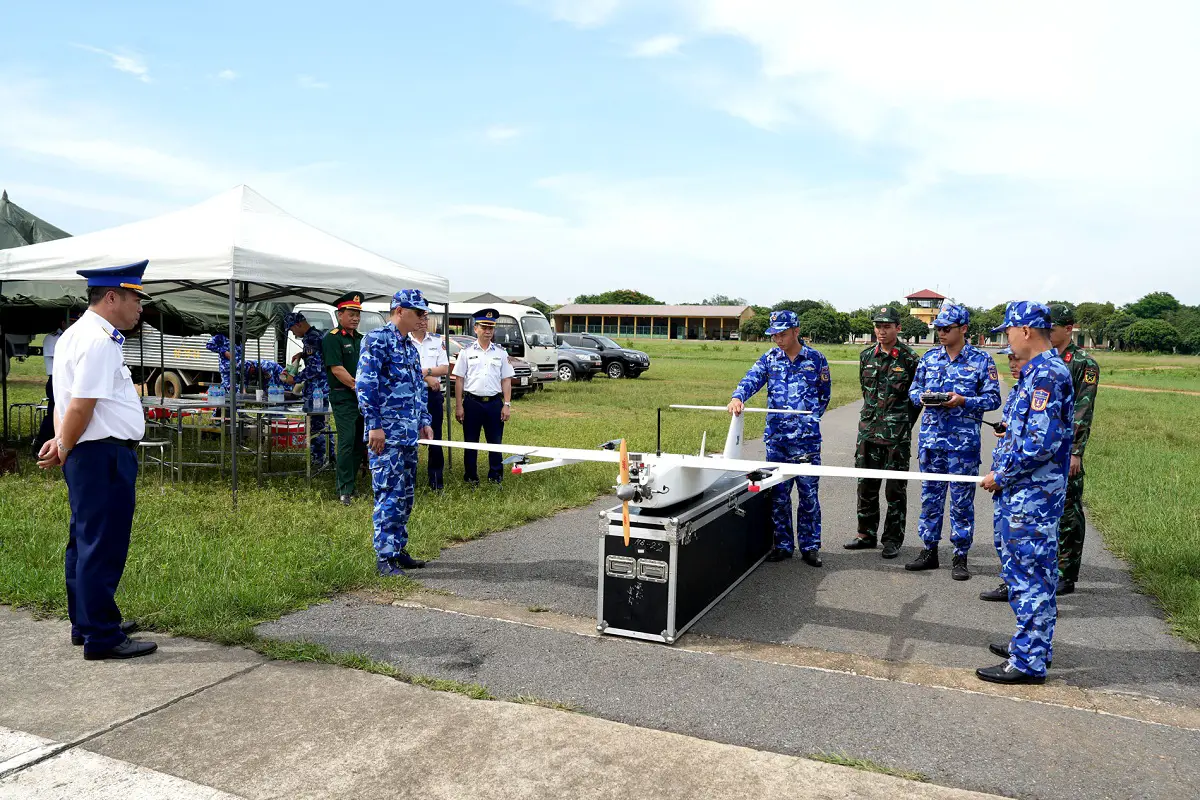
(992, 372)
(1091, 374)
(825, 374)
(1039, 400)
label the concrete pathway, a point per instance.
(202, 721)
(860, 657)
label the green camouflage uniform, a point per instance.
(1085, 375)
(885, 435)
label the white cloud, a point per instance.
(499, 133)
(127, 62)
(309, 82)
(583, 13)
(501, 214)
(657, 46)
(227, 75)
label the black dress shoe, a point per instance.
(408, 562)
(778, 554)
(960, 571)
(890, 550)
(435, 480)
(812, 558)
(928, 559)
(130, 648)
(1002, 651)
(1065, 587)
(999, 594)
(861, 543)
(1003, 673)
(345, 498)
(127, 627)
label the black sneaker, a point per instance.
(860, 543)
(999, 594)
(927, 560)
(812, 558)
(388, 568)
(1004, 673)
(960, 571)
(130, 648)
(408, 562)
(890, 550)
(778, 554)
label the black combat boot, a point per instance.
(927, 560)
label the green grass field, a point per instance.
(195, 569)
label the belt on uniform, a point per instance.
(482, 399)
(130, 443)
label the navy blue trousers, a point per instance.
(437, 409)
(479, 416)
(101, 488)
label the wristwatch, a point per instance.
(507, 403)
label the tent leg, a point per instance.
(448, 416)
(233, 428)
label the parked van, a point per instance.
(521, 330)
(324, 318)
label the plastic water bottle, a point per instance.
(275, 392)
(216, 394)
(319, 398)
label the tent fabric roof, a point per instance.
(925, 294)
(19, 228)
(238, 235)
(617, 310)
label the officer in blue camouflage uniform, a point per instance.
(312, 376)
(1014, 370)
(219, 344)
(796, 377)
(1029, 481)
(392, 397)
(949, 438)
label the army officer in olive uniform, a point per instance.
(339, 350)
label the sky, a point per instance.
(851, 152)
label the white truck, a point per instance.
(174, 365)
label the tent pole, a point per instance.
(4, 373)
(233, 428)
(162, 359)
(448, 415)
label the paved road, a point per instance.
(1109, 638)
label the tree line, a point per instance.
(1157, 321)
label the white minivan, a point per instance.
(324, 318)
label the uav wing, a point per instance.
(558, 456)
(813, 470)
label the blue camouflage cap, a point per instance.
(292, 319)
(952, 314)
(1025, 314)
(1004, 351)
(781, 321)
(409, 298)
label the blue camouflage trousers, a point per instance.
(962, 498)
(394, 478)
(1029, 564)
(808, 511)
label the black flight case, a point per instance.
(680, 561)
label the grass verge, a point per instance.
(866, 765)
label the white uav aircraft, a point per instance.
(655, 480)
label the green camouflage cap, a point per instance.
(1062, 314)
(886, 314)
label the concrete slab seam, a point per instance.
(53, 750)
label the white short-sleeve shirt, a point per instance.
(432, 350)
(48, 344)
(483, 370)
(89, 362)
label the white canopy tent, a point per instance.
(237, 236)
(237, 247)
